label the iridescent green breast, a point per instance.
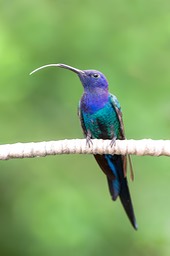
(103, 124)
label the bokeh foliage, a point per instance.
(60, 205)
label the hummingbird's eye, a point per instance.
(95, 75)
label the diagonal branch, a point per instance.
(79, 146)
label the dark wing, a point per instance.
(82, 121)
(116, 105)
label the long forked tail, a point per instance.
(116, 164)
(112, 166)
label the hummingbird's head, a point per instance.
(93, 79)
(90, 79)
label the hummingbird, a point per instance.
(101, 118)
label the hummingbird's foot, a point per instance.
(113, 141)
(88, 139)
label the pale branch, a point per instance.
(80, 146)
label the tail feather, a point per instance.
(127, 203)
(113, 191)
(117, 183)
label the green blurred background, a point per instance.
(61, 205)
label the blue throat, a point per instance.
(94, 101)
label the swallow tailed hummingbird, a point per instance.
(101, 118)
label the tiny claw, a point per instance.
(113, 142)
(89, 142)
(88, 139)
